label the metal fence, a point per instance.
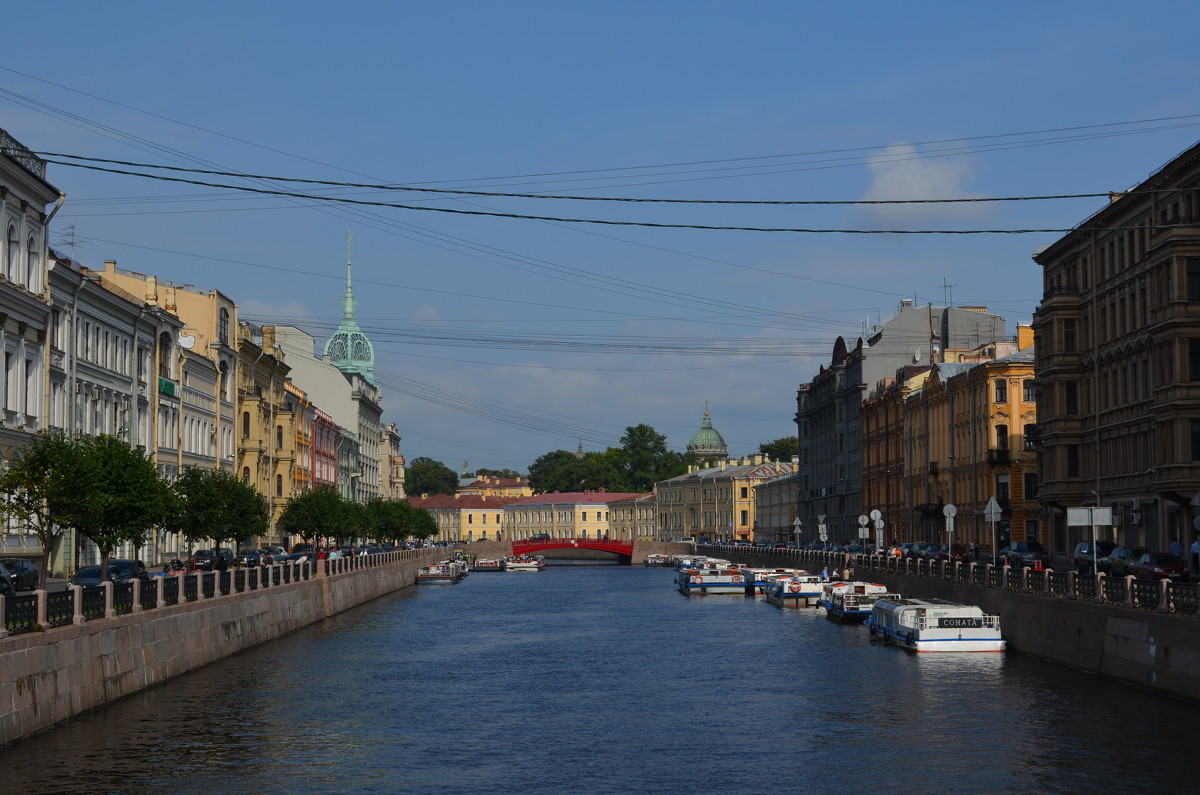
(78, 605)
(1160, 595)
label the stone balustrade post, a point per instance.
(200, 585)
(3, 622)
(137, 595)
(1128, 602)
(160, 600)
(78, 618)
(1163, 605)
(1046, 581)
(1004, 572)
(1098, 587)
(1071, 584)
(42, 609)
(109, 611)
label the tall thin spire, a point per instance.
(348, 349)
(349, 303)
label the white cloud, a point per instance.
(901, 172)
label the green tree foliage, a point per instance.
(643, 459)
(397, 520)
(563, 471)
(116, 496)
(781, 449)
(498, 473)
(213, 503)
(33, 481)
(315, 514)
(426, 476)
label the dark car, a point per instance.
(910, 549)
(1089, 554)
(129, 569)
(21, 573)
(540, 537)
(1023, 554)
(6, 580)
(249, 557)
(1122, 560)
(305, 547)
(204, 560)
(89, 576)
(1161, 566)
(955, 553)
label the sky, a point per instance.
(501, 338)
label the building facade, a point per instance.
(582, 514)
(462, 519)
(633, 518)
(715, 503)
(1118, 364)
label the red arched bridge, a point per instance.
(528, 546)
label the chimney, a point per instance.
(268, 336)
(151, 291)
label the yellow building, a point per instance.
(464, 518)
(267, 444)
(716, 503)
(634, 518)
(493, 486)
(581, 514)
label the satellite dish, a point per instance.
(917, 356)
(187, 340)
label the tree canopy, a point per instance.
(498, 473)
(35, 480)
(641, 461)
(781, 449)
(426, 476)
(213, 503)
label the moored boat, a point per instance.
(657, 559)
(524, 563)
(937, 625)
(761, 580)
(443, 572)
(852, 601)
(488, 564)
(794, 590)
(711, 580)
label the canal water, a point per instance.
(604, 679)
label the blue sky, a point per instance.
(499, 339)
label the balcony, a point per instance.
(933, 468)
(999, 456)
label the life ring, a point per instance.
(697, 578)
(736, 578)
(794, 587)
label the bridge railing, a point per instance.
(1159, 595)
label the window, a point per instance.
(1031, 486)
(745, 518)
(1072, 460)
(164, 353)
(1030, 435)
(1029, 391)
(1002, 437)
(31, 402)
(1194, 359)
(10, 267)
(745, 492)
(223, 326)
(278, 437)
(1072, 397)
(1001, 391)
(1069, 336)
(1002, 486)
(585, 516)
(245, 425)
(31, 265)
(279, 485)
(246, 475)
(1196, 440)
(1031, 529)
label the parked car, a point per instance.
(1023, 554)
(926, 551)
(22, 574)
(955, 553)
(909, 549)
(1161, 566)
(6, 580)
(1122, 560)
(6, 588)
(1088, 554)
(305, 547)
(128, 569)
(546, 537)
(89, 576)
(249, 557)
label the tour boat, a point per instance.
(794, 590)
(524, 563)
(761, 580)
(657, 559)
(710, 580)
(444, 572)
(935, 625)
(488, 564)
(851, 601)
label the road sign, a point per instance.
(862, 521)
(949, 511)
(864, 532)
(820, 518)
(992, 511)
(949, 524)
(876, 515)
(879, 523)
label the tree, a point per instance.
(781, 449)
(643, 459)
(426, 476)
(116, 496)
(33, 481)
(213, 503)
(314, 514)
(563, 471)
(498, 473)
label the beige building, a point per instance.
(634, 518)
(493, 486)
(775, 509)
(582, 514)
(1118, 364)
(391, 464)
(464, 518)
(716, 503)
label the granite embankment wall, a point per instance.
(47, 677)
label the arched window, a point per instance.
(31, 265)
(245, 425)
(14, 248)
(279, 437)
(279, 485)
(223, 326)
(246, 475)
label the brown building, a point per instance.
(1118, 363)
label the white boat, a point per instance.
(761, 580)
(852, 601)
(657, 559)
(935, 625)
(794, 590)
(444, 572)
(524, 563)
(710, 580)
(488, 564)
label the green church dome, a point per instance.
(707, 442)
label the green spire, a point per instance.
(348, 349)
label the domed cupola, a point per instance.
(707, 443)
(348, 349)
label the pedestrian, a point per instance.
(848, 574)
(825, 574)
(222, 563)
(1196, 554)
(1175, 547)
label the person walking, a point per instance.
(1196, 554)
(1175, 548)
(825, 574)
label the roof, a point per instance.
(464, 502)
(575, 497)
